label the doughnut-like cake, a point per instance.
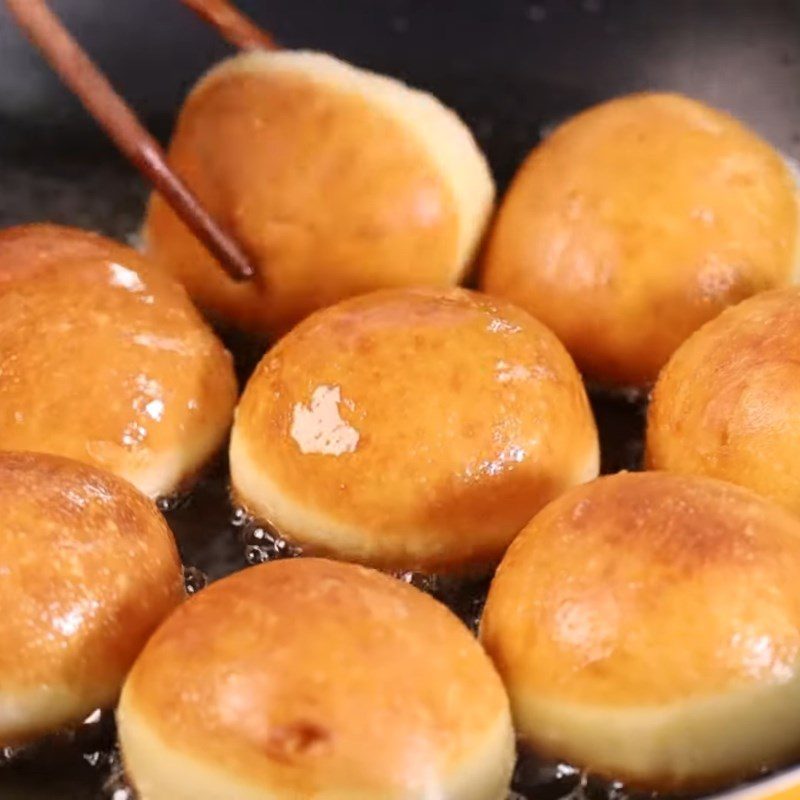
(411, 429)
(637, 221)
(336, 181)
(313, 678)
(104, 359)
(88, 569)
(647, 628)
(727, 404)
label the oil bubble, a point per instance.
(465, 596)
(173, 502)
(194, 580)
(262, 541)
(116, 786)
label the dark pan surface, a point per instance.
(508, 66)
(511, 67)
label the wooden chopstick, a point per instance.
(112, 113)
(232, 24)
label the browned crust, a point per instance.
(105, 359)
(728, 403)
(463, 417)
(636, 222)
(307, 673)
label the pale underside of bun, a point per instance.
(26, 715)
(162, 771)
(167, 473)
(315, 532)
(694, 744)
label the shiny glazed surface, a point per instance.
(636, 222)
(88, 569)
(104, 359)
(412, 429)
(658, 612)
(728, 403)
(306, 678)
(573, 612)
(330, 193)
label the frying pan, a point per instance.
(511, 68)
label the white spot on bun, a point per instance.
(125, 278)
(511, 372)
(319, 427)
(498, 325)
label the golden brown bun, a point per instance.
(728, 403)
(647, 627)
(88, 569)
(636, 222)
(104, 359)
(337, 181)
(315, 679)
(411, 429)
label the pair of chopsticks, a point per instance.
(116, 117)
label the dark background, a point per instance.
(509, 67)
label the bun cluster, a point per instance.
(643, 627)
